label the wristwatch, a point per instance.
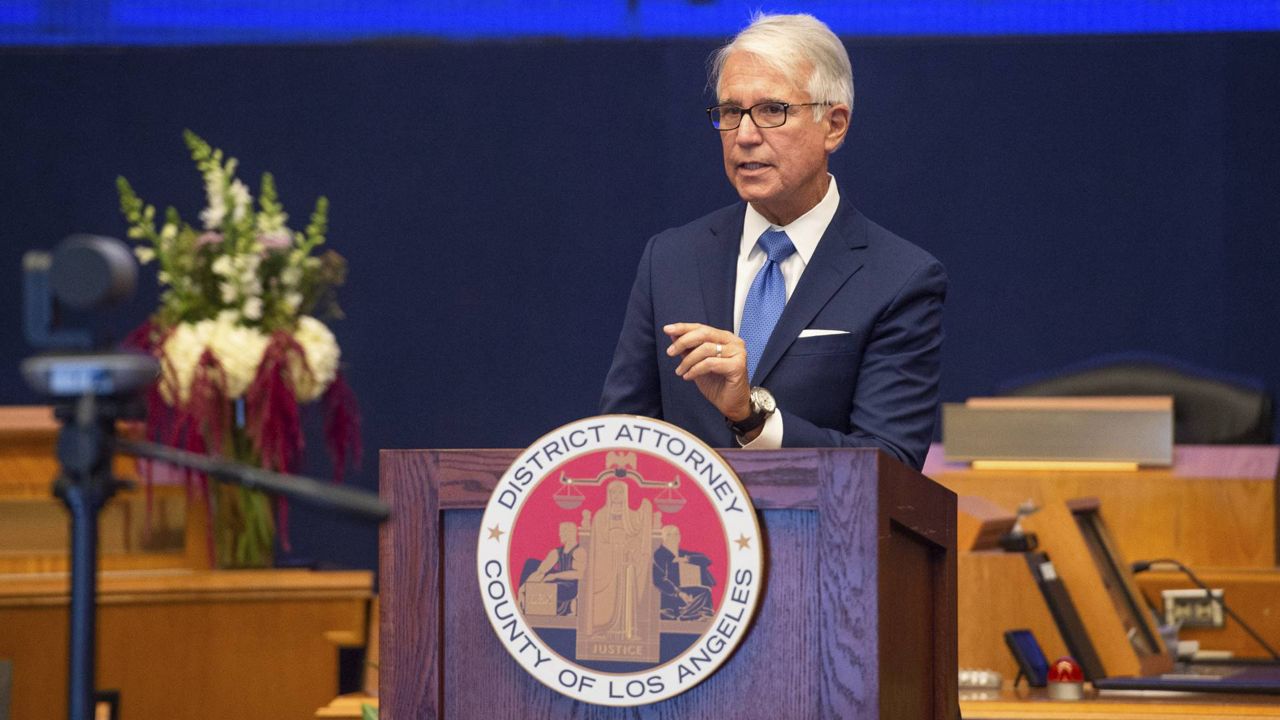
(762, 406)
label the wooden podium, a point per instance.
(858, 618)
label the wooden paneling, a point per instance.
(998, 593)
(1215, 507)
(1254, 593)
(33, 523)
(190, 645)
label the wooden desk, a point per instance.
(1215, 507)
(188, 644)
(347, 707)
(33, 523)
(1032, 704)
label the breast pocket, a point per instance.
(817, 377)
(824, 345)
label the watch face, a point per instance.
(762, 399)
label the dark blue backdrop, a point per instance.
(1086, 194)
(195, 22)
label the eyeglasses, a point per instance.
(764, 115)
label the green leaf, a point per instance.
(140, 216)
(268, 200)
(319, 224)
(200, 150)
(130, 204)
(368, 712)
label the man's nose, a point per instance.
(748, 133)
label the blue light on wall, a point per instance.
(184, 22)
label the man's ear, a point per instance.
(837, 126)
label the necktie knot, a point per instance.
(776, 245)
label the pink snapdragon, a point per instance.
(275, 240)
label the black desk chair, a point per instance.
(1208, 408)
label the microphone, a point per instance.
(1144, 565)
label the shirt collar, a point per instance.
(805, 231)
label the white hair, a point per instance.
(793, 44)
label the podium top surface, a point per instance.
(775, 479)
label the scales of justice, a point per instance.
(601, 580)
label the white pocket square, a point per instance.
(815, 332)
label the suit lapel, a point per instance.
(718, 268)
(834, 261)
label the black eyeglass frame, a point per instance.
(749, 111)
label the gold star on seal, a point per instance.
(496, 533)
(743, 542)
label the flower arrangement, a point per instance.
(238, 339)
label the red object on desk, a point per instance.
(1066, 680)
(1066, 670)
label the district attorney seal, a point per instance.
(619, 560)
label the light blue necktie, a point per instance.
(766, 298)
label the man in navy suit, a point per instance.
(789, 319)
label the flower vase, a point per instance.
(243, 521)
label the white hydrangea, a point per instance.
(144, 254)
(321, 351)
(239, 350)
(182, 351)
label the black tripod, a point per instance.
(87, 444)
(84, 486)
(92, 390)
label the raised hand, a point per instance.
(716, 361)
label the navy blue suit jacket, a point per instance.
(874, 386)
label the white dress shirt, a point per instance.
(805, 232)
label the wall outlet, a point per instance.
(1193, 608)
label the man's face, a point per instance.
(781, 171)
